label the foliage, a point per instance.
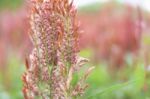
(9, 4)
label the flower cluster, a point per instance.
(54, 60)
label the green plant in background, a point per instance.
(104, 86)
(10, 81)
(9, 4)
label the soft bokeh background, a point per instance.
(116, 39)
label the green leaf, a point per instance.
(110, 89)
(140, 75)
